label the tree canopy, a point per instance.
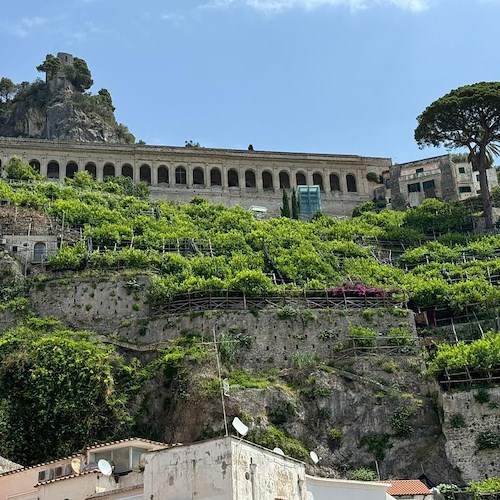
(467, 117)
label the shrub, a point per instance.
(486, 486)
(482, 395)
(362, 336)
(271, 437)
(377, 444)
(488, 440)
(362, 474)
(457, 420)
(305, 360)
(400, 422)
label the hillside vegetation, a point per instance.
(423, 258)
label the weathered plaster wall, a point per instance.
(461, 449)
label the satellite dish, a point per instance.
(279, 451)
(314, 457)
(309, 496)
(105, 467)
(76, 465)
(240, 427)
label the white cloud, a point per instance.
(26, 26)
(354, 5)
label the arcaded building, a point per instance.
(231, 177)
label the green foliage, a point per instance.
(17, 170)
(282, 412)
(457, 421)
(70, 384)
(285, 209)
(447, 490)
(484, 487)
(400, 422)
(399, 336)
(305, 360)
(482, 395)
(362, 474)
(438, 216)
(69, 258)
(361, 336)
(286, 312)
(377, 444)
(480, 355)
(373, 177)
(488, 440)
(271, 438)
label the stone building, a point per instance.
(231, 177)
(409, 184)
(137, 469)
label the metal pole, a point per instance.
(220, 383)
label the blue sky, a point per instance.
(334, 76)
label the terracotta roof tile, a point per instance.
(407, 487)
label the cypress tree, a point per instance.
(295, 206)
(285, 209)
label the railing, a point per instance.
(231, 300)
(468, 377)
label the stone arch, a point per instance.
(198, 177)
(284, 180)
(351, 183)
(145, 173)
(250, 181)
(180, 176)
(334, 182)
(318, 181)
(53, 170)
(233, 179)
(127, 171)
(40, 252)
(71, 169)
(108, 170)
(267, 181)
(300, 179)
(215, 177)
(91, 169)
(163, 175)
(35, 164)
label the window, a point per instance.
(351, 183)
(464, 189)
(461, 170)
(477, 177)
(419, 170)
(414, 188)
(180, 175)
(426, 185)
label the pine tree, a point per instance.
(285, 209)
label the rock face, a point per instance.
(63, 119)
(60, 108)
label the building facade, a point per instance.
(231, 177)
(223, 468)
(409, 184)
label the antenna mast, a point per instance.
(220, 383)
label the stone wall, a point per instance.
(461, 449)
(119, 309)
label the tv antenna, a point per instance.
(240, 427)
(105, 468)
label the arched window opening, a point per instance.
(127, 171)
(300, 178)
(91, 169)
(145, 174)
(351, 183)
(35, 164)
(267, 181)
(109, 170)
(250, 179)
(40, 252)
(180, 176)
(71, 169)
(163, 175)
(318, 181)
(215, 177)
(232, 178)
(53, 170)
(334, 182)
(284, 180)
(198, 177)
